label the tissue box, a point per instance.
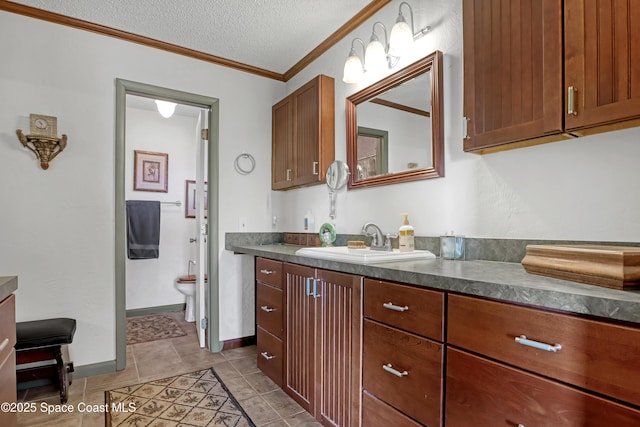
(616, 267)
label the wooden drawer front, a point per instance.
(418, 393)
(595, 355)
(270, 355)
(269, 271)
(269, 311)
(485, 393)
(8, 387)
(424, 314)
(376, 413)
(7, 326)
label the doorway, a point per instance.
(211, 105)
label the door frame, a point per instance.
(123, 88)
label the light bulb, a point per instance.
(375, 58)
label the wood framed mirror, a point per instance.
(395, 129)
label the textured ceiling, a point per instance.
(269, 34)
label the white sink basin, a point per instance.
(362, 256)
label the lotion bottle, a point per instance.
(407, 242)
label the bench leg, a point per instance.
(62, 376)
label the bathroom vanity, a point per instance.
(8, 284)
(445, 342)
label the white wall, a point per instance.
(57, 226)
(583, 189)
(150, 282)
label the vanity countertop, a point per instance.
(8, 284)
(505, 281)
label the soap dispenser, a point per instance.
(407, 243)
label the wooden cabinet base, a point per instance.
(270, 355)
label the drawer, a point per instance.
(595, 355)
(269, 308)
(418, 390)
(422, 309)
(7, 326)
(376, 413)
(491, 394)
(269, 271)
(8, 387)
(270, 355)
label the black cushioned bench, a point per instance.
(42, 341)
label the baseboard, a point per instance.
(239, 342)
(94, 369)
(155, 310)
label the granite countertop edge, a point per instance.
(504, 281)
(8, 285)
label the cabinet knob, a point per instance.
(267, 308)
(267, 355)
(288, 174)
(315, 168)
(267, 272)
(4, 343)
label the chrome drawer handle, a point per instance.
(4, 343)
(263, 271)
(389, 368)
(267, 355)
(535, 344)
(267, 308)
(393, 307)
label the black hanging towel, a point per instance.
(143, 229)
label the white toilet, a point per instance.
(187, 287)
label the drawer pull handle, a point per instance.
(389, 368)
(267, 308)
(394, 307)
(267, 355)
(4, 343)
(535, 344)
(267, 272)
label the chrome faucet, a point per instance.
(379, 240)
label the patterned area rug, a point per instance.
(195, 399)
(151, 328)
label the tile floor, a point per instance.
(262, 400)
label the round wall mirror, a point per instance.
(337, 175)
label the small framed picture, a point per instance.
(151, 171)
(190, 200)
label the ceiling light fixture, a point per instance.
(378, 56)
(165, 108)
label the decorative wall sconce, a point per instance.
(379, 56)
(42, 140)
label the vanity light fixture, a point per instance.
(379, 56)
(353, 67)
(375, 57)
(165, 108)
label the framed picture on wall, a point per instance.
(190, 200)
(151, 171)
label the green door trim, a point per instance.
(123, 88)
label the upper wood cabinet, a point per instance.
(514, 67)
(602, 63)
(303, 135)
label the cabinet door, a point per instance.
(314, 116)
(602, 57)
(512, 71)
(300, 338)
(282, 145)
(339, 330)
